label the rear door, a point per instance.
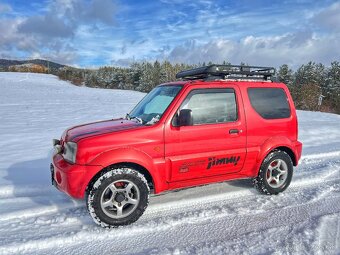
(216, 143)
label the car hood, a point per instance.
(97, 128)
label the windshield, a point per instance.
(153, 105)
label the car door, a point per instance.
(216, 142)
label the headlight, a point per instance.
(70, 152)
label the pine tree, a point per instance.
(286, 75)
(156, 74)
(166, 72)
(333, 86)
(309, 85)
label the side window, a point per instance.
(211, 105)
(270, 103)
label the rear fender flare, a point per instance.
(271, 144)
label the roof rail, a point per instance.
(235, 72)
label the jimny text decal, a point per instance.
(222, 161)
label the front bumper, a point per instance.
(54, 183)
(71, 178)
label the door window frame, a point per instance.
(211, 90)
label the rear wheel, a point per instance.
(119, 197)
(275, 173)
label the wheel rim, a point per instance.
(277, 173)
(120, 199)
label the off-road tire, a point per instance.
(94, 197)
(261, 182)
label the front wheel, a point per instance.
(119, 197)
(275, 173)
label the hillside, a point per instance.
(5, 63)
(224, 218)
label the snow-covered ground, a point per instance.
(224, 218)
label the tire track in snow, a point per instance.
(10, 191)
(222, 223)
(181, 214)
(156, 208)
(320, 155)
(313, 175)
(174, 214)
(328, 235)
(36, 212)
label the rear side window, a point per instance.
(270, 103)
(211, 105)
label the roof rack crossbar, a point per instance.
(227, 72)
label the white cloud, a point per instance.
(4, 8)
(329, 18)
(293, 49)
(304, 43)
(49, 26)
(70, 30)
(50, 34)
(8, 31)
(64, 57)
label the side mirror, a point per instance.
(185, 118)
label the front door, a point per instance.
(216, 142)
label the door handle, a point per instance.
(233, 131)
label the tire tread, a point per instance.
(259, 181)
(91, 204)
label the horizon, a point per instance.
(162, 61)
(94, 33)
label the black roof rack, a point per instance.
(235, 72)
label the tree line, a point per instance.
(313, 86)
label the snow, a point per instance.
(224, 218)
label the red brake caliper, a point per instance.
(119, 185)
(273, 164)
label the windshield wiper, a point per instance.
(153, 120)
(129, 117)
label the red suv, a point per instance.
(219, 123)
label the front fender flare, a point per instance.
(126, 155)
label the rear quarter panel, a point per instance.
(264, 135)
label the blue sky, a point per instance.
(90, 33)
